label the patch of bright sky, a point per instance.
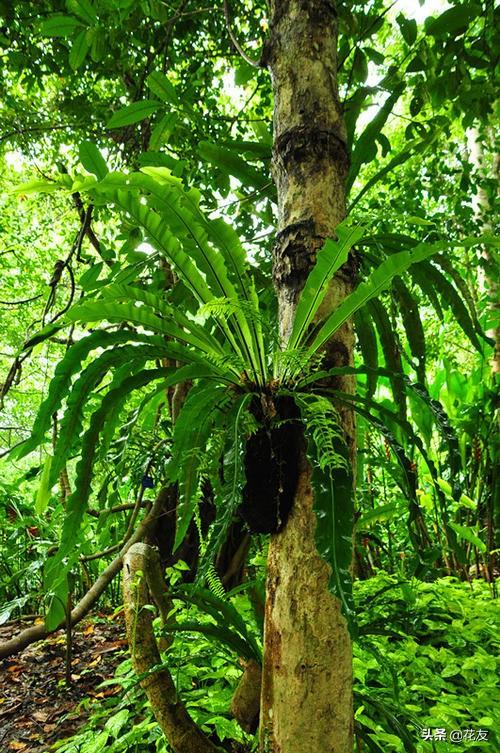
(413, 9)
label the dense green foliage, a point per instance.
(138, 216)
(427, 657)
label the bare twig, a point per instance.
(235, 42)
(21, 302)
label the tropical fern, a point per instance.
(228, 350)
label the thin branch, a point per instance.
(115, 508)
(366, 35)
(235, 42)
(39, 632)
(21, 302)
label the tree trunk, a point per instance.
(306, 703)
(142, 577)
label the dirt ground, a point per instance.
(37, 707)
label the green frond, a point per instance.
(331, 480)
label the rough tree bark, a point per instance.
(142, 578)
(306, 702)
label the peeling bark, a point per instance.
(306, 701)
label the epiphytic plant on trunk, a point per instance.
(251, 394)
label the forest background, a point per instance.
(139, 322)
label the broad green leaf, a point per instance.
(453, 20)
(83, 9)
(416, 220)
(231, 163)
(116, 722)
(117, 292)
(35, 186)
(44, 489)
(414, 330)
(367, 340)
(352, 110)
(59, 26)
(99, 44)
(365, 146)
(162, 88)
(360, 66)
(449, 266)
(79, 49)
(451, 298)
(468, 534)
(89, 279)
(57, 590)
(71, 424)
(379, 514)
(162, 130)
(391, 351)
(255, 150)
(408, 28)
(329, 260)
(378, 281)
(447, 432)
(92, 159)
(133, 113)
(102, 310)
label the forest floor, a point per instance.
(37, 707)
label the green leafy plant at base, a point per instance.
(426, 657)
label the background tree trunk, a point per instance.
(306, 703)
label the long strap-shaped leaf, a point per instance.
(66, 368)
(172, 202)
(367, 341)
(365, 149)
(363, 406)
(377, 282)
(132, 293)
(159, 231)
(334, 509)
(71, 423)
(77, 501)
(452, 299)
(391, 350)
(414, 329)
(228, 242)
(212, 263)
(112, 311)
(330, 258)
(437, 411)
